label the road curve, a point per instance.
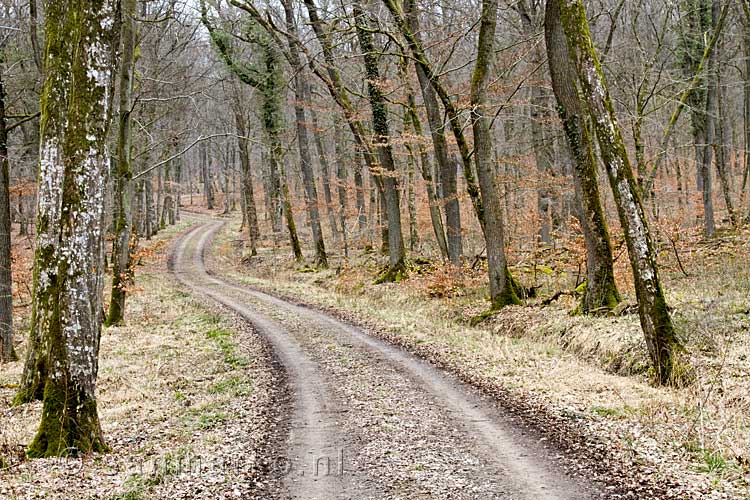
(371, 421)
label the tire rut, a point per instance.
(409, 429)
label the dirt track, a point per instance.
(371, 421)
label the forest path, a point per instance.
(371, 421)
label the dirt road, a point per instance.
(370, 421)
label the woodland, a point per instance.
(548, 199)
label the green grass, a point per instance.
(135, 488)
(713, 462)
(235, 386)
(224, 341)
(211, 419)
(606, 412)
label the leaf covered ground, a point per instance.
(188, 399)
(589, 374)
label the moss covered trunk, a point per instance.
(122, 270)
(502, 291)
(446, 168)
(68, 271)
(388, 176)
(660, 336)
(601, 292)
(303, 139)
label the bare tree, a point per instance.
(663, 344)
(62, 360)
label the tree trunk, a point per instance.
(601, 291)
(7, 352)
(435, 216)
(720, 149)
(208, 183)
(68, 267)
(746, 93)
(709, 225)
(359, 193)
(178, 194)
(388, 175)
(411, 201)
(122, 271)
(150, 214)
(657, 327)
(248, 194)
(303, 140)
(341, 178)
(447, 169)
(502, 291)
(324, 169)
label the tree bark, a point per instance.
(388, 175)
(341, 178)
(502, 291)
(601, 291)
(657, 327)
(122, 271)
(68, 267)
(7, 351)
(303, 140)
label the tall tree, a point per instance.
(709, 133)
(266, 78)
(662, 342)
(446, 167)
(122, 272)
(7, 352)
(502, 290)
(601, 291)
(248, 191)
(68, 261)
(303, 139)
(451, 109)
(387, 172)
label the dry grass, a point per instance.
(173, 384)
(585, 367)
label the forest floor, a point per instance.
(588, 375)
(189, 393)
(174, 382)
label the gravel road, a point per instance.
(370, 421)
